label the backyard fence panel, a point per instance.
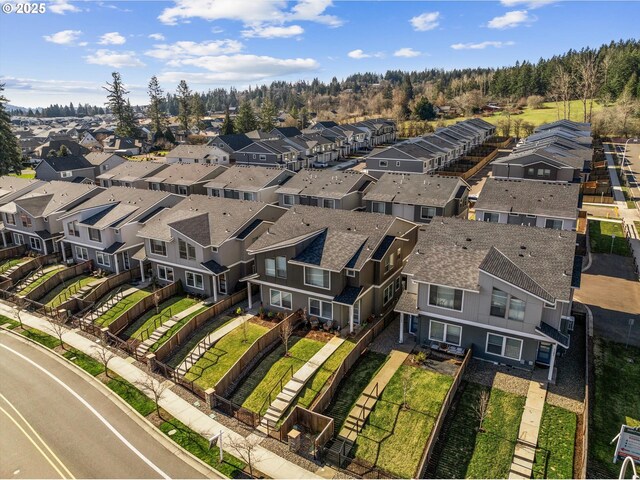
(59, 277)
(32, 265)
(112, 282)
(11, 252)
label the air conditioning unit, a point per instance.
(69, 261)
(571, 321)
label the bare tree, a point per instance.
(527, 128)
(245, 448)
(587, 67)
(149, 385)
(59, 329)
(286, 330)
(156, 302)
(561, 89)
(517, 124)
(481, 408)
(504, 125)
(105, 356)
(406, 387)
(19, 315)
(535, 101)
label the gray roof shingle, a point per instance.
(323, 183)
(415, 189)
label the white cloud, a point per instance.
(114, 59)
(65, 37)
(511, 19)
(113, 7)
(273, 31)
(61, 7)
(156, 36)
(313, 11)
(112, 38)
(480, 45)
(178, 51)
(425, 21)
(52, 86)
(531, 4)
(359, 54)
(407, 52)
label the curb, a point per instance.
(143, 422)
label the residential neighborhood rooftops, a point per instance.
(69, 162)
(132, 171)
(50, 198)
(452, 252)
(201, 152)
(417, 189)
(536, 198)
(544, 154)
(247, 178)
(186, 173)
(10, 185)
(98, 158)
(323, 183)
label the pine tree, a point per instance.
(184, 105)
(120, 107)
(246, 118)
(424, 110)
(227, 125)
(197, 110)
(267, 114)
(156, 107)
(10, 154)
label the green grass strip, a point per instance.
(556, 443)
(63, 292)
(171, 332)
(119, 308)
(133, 396)
(84, 361)
(40, 281)
(167, 309)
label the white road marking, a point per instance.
(92, 410)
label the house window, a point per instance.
(387, 294)
(320, 309)
(397, 287)
(155, 186)
(328, 203)
(72, 227)
(247, 196)
(504, 346)
(499, 301)
(35, 243)
(158, 247)
(270, 267)
(280, 299)
(281, 267)
(445, 332)
(25, 220)
(378, 207)
(182, 190)
(194, 280)
(350, 272)
(445, 297)
(316, 277)
(491, 217)
(165, 273)
(263, 157)
(186, 251)
(94, 234)
(516, 309)
(383, 163)
(287, 200)
(222, 283)
(11, 218)
(552, 223)
(544, 172)
(427, 213)
(82, 253)
(18, 239)
(397, 164)
(66, 174)
(389, 262)
(356, 313)
(214, 192)
(413, 324)
(103, 259)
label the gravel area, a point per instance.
(282, 449)
(509, 379)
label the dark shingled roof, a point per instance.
(214, 267)
(348, 296)
(70, 162)
(407, 303)
(415, 189)
(235, 141)
(384, 246)
(113, 248)
(548, 331)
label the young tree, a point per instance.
(406, 387)
(105, 356)
(10, 153)
(120, 107)
(267, 114)
(197, 110)
(156, 107)
(59, 329)
(286, 330)
(246, 118)
(227, 125)
(588, 80)
(245, 448)
(481, 408)
(150, 385)
(517, 126)
(184, 104)
(527, 128)
(424, 110)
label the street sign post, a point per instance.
(213, 441)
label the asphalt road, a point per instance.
(55, 423)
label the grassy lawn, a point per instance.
(468, 453)
(252, 393)
(556, 441)
(26, 173)
(134, 397)
(600, 238)
(168, 308)
(394, 437)
(179, 354)
(617, 369)
(215, 363)
(12, 262)
(171, 332)
(84, 361)
(41, 280)
(63, 292)
(352, 385)
(119, 308)
(41, 337)
(9, 323)
(320, 377)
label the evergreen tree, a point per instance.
(197, 110)
(424, 110)
(303, 119)
(184, 105)
(10, 153)
(168, 135)
(120, 107)
(227, 125)
(156, 107)
(267, 114)
(246, 118)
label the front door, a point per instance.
(413, 324)
(125, 260)
(544, 353)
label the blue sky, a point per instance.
(67, 53)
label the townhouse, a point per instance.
(418, 198)
(104, 228)
(131, 174)
(340, 266)
(203, 241)
(342, 190)
(231, 143)
(542, 164)
(34, 218)
(405, 157)
(273, 153)
(184, 178)
(14, 187)
(285, 132)
(249, 182)
(69, 168)
(379, 131)
(104, 161)
(121, 145)
(503, 290)
(318, 149)
(208, 154)
(537, 204)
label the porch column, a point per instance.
(142, 270)
(115, 259)
(553, 361)
(401, 339)
(215, 288)
(350, 318)
(249, 295)
(64, 254)
(44, 247)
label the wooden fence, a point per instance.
(437, 426)
(10, 252)
(586, 412)
(31, 265)
(142, 306)
(314, 422)
(57, 278)
(165, 350)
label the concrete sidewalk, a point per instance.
(618, 196)
(266, 461)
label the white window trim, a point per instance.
(383, 163)
(166, 269)
(504, 346)
(388, 287)
(221, 290)
(186, 279)
(106, 260)
(33, 240)
(66, 174)
(304, 278)
(284, 200)
(444, 336)
(445, 308)
(19, 236)
(409, 323)
(82, 253)
(321, 302)
(280, 292)
(350, 272)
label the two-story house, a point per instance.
(340, 266)
(34, 218)
(418, 198)
(198, 154)
(504, 290)
(185, 178)
(341, 190)
(521, 202)
(131, 174)
(273, 153)
(249, 182)
(203, 241)
(70, 168)
(231, 143)
(102, 161)
(104, 228)
(542, 164)
(10, 189)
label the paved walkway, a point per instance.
(618, 196)
(293, 387)
(525, 451)
(266, 461)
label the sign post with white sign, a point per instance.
(628, 444)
